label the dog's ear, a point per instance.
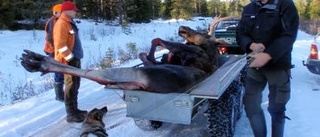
(104, 109)
(92, 113)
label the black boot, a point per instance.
(58, 88)
(73, 113)
(80, 112)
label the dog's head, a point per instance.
(97, 114)
(93, 124)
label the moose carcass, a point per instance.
(192, 64)
(185, 74)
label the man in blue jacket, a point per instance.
(269, 26)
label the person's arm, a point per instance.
(242, 37)
(60, 37)
(284, 43)
(49, 31)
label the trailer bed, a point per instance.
(214, 86)
(180, 107)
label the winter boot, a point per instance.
(81, 112)
(73, 113)
(58, 88)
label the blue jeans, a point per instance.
(58, 77)
(279, 95)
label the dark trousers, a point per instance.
(279, 94)
(72, 84)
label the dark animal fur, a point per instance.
(189, 65)
(93, 123)
(200, 51)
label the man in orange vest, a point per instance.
(68, 50)
(49, 50)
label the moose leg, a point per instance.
(171, 46)
(150, 58)
(150, 78)
(146, 62)
(34, 62)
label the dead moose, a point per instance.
(183, 67)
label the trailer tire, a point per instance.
(147, 125)
(223, 113)
(221, 120)
(217, 120)
(238, 95)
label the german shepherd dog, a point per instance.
(187, 64)
(93, 124)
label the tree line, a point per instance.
(14, 14)
(35, 12)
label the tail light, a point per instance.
(314, 52)
(222, 49)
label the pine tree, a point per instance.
(108, 60)
(7, 16)
(182, 9)
(167, 8)
(300, 7)
(139, 11)
(200, 7)
(214, 7)
(307, 9)
(315, 10)
(156, 7)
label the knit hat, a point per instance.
(68, 5)
(57, 8)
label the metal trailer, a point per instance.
(218, 97)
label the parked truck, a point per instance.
(218, 97)
(313, 61)
(227, 30)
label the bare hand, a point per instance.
(259, 60)
(257, 46)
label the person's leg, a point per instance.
(58, 86)
(71, 95)
(255, 83)
(58, 83)
(279, 86)
(76, 81)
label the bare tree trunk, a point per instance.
(153, 1)
(121, 13)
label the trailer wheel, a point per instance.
(238, 94)
(220, 119)
(223, 113)
(147, 125)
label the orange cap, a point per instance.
(57, 8)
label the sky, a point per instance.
(43, 116)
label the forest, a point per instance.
(32, 14)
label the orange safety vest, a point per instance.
(49, 47)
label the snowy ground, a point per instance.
(42, 116)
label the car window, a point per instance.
(227, 24)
